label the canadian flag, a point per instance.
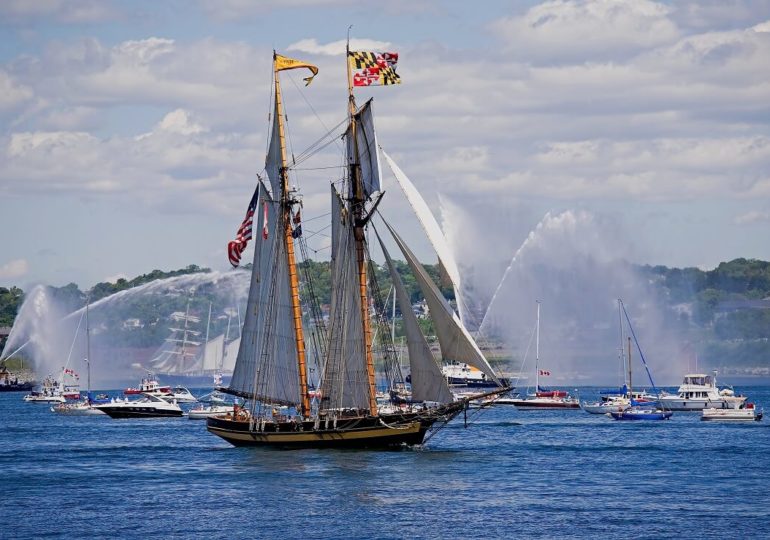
(544, 372)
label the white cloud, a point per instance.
(752, 217)
(561, 31)
(336, 48)
(14, 269)
(12, 94)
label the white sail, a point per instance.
(366, 137)
(345, 382)
(427, 381)
(273, 159)
(231, 353)
(454, 339)
(266, 366)
(212, 353)
(431, 228)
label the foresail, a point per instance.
(344, 383)
(266, 365)
(231, 353)
(431, 228)
(454, 339)
(366, 139)
(427, 381)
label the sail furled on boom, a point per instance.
(454, 339)
(431, 228)
(366, 141)
(266, 365)
(344, 383)
(427, 381)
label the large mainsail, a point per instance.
(345, 379)
(427, 381)
(266, 366)
(431, 228)
(212, 354)
(454, 339)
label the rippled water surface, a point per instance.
(511, 474)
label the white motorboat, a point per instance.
(202, 411)
(181, 395)
(737, 410)
(699, 391)
(146, 407)
(80, 408)
(615, 404)
(50, 392)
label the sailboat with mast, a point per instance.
(271, 369)
(542, 398)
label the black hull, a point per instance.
(121, 412)
(21, 387)
(383, 432)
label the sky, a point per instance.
(132, 132)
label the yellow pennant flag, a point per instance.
(281, 63)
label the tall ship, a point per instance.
(271, 369)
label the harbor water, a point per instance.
(510, 474)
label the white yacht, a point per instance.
(699, 391)
(147, 406)
(181, 395)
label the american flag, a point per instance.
(237, 246)
(544, 373)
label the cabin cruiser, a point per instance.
(147, 406)
(149, 385)
(50, 392)
(697, 392)
(459, 374)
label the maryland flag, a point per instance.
(373, 68)
(282, 63)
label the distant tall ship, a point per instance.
(271, 370)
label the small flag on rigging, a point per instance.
(242, 237)
(544, 373)
(373, 68)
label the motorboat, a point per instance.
(147, 406)
(541, 400)
(699, 391)
(79, 408)
(642, 413)
(615, 404)
(50, 392)
(203, 411)
(737, 410)
(148, 385)
(181, 395)
(460, 374)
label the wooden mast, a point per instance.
(286, 204)
(359, 197)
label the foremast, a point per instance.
(287, 201)
(358, 197)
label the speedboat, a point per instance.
(147, 406)
(79, 408)
(203, 411)
(181, 395)
(737, 411)
(697, 392)
(614, 404)
(642, 413)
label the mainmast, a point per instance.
(287, 202)
(357, 206)
(537, 350)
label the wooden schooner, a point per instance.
(271, 370)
